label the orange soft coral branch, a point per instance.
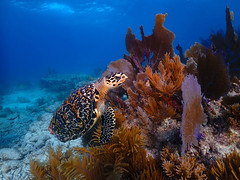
(141, 87)
(158, 110)
(154, 96)
(170, 76)
(133, 97)
(151, 106)
(154, 89)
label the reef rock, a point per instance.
(10, 154)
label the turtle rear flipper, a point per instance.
(108, 124)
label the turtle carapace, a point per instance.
(81, 110)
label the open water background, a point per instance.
(74, 36)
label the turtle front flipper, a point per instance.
(108, 124)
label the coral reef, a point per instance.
(146, 142)
(195, 51)
(185, 167)
(151, 49)
(52, 169)
(225, 112)
(221, 134)
(154, 97)
(193, 115)
(182, 57)
(211, 71)
(170, 76)
(151, 172)
(213, 75)
(229, 45)
(226, 168)
(224, 56)
(124, 157)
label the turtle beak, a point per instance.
(124, 78)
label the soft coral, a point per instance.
(151, 49)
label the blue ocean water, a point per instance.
(48, 47)
(83, 37)
(79, 36)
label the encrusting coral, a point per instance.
(224, 114)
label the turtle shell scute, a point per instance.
(77, 114)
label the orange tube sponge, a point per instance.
(193, 115)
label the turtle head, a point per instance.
(115, 79)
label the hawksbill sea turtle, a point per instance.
(81, 110)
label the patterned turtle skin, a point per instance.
(81, 110)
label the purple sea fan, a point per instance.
(193, 115)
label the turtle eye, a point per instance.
(117, 78)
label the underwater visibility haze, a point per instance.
(119, 89)
(79, 36)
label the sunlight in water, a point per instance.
(58, 7)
